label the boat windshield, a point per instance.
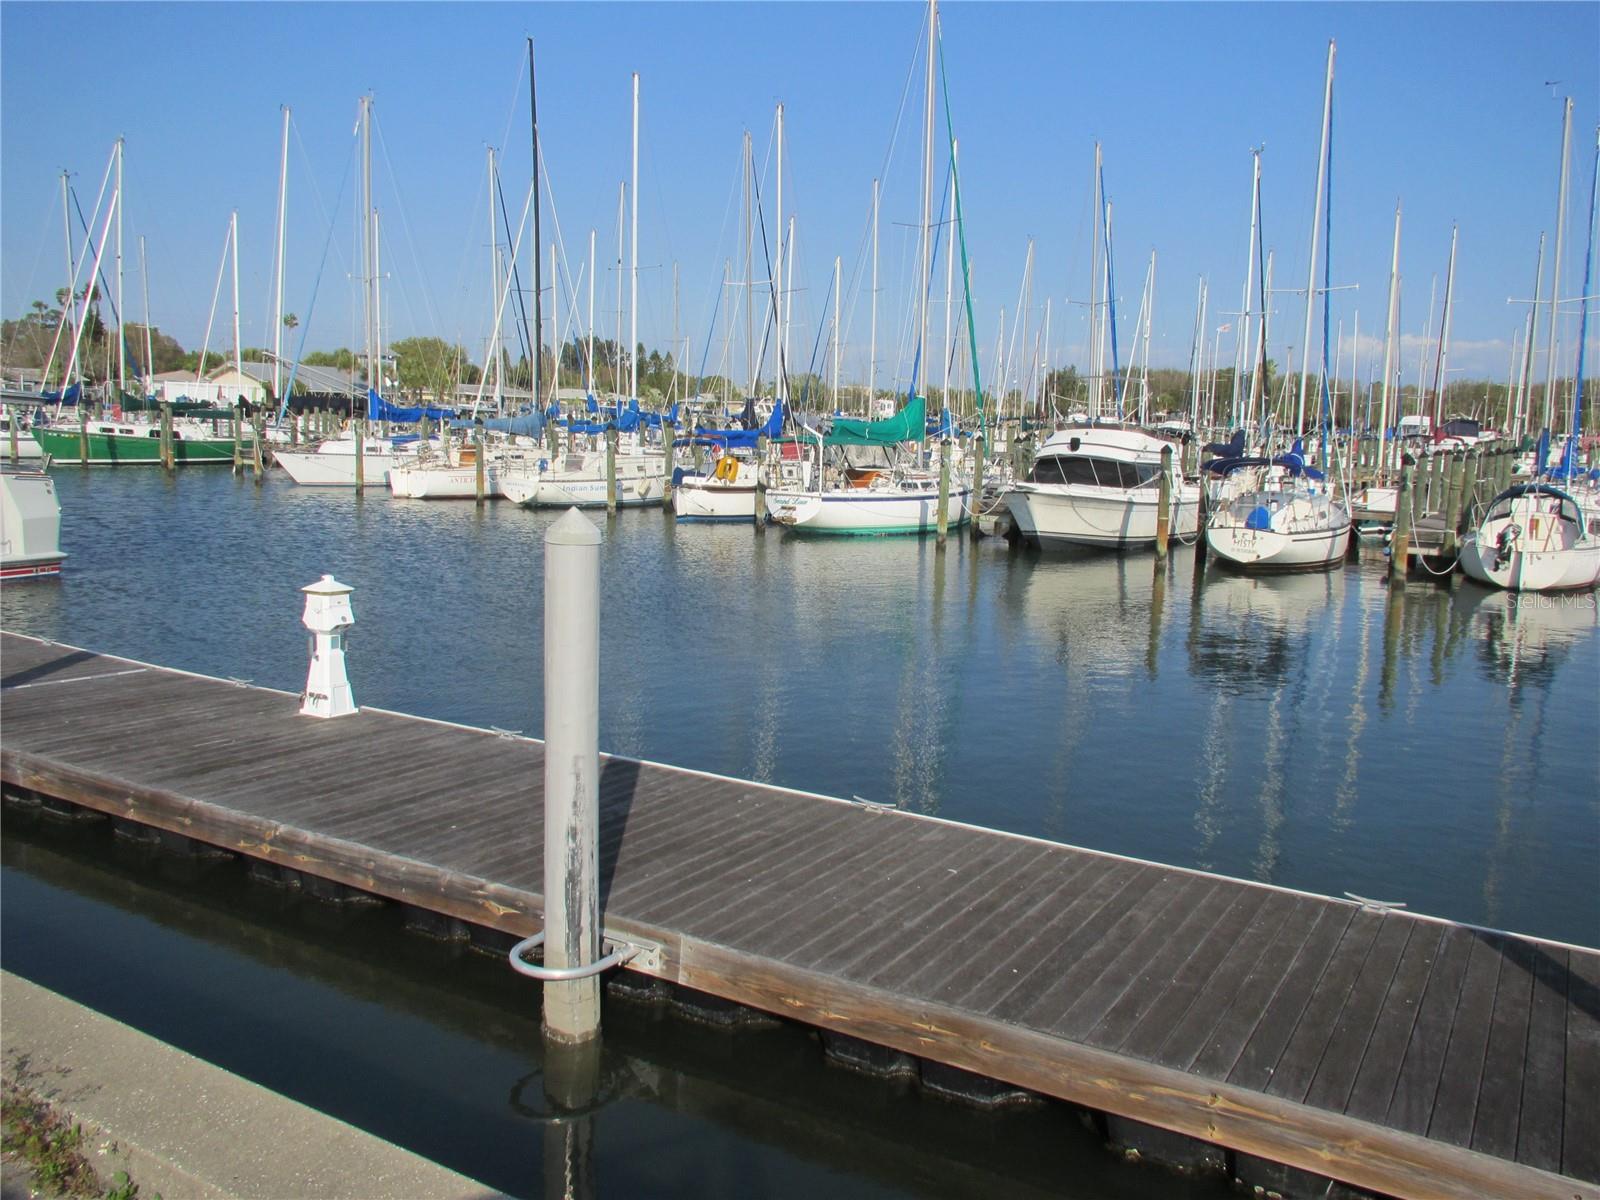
(1093, 472)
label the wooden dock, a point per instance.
(1398, 1053)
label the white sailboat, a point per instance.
(1541, 537)
(1280, 514)
(904, 498)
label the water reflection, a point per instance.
(1321, 730)
(1249, 632)
(438, 1049)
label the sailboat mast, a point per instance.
(1388, 343)
(1243, 341)
(927, 198)
(69, 309)
(589, 374)
(1316, 229)
(538, 290)
(1555, 274)
(633, 240)
(872, 355)
(277, 319)
(781, 379)
(949, 293)
(122, 342)
(749, 270)
(1096, 356)
(1576, 431)
(1519, 423)
(622, 199)
(493, 355)
(1444, 334)
(837, 264)
(149, 356)
(367, 269)
(233, 237)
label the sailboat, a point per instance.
(904, 496)
(1281, 514)
(1545, 537)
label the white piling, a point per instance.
(571, 774)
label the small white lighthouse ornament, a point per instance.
(327, 616)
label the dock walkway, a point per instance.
(1399, 1053)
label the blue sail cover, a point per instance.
(379, 409)
(741, 439)
(70, 396)
(522, 425)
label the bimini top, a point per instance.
(1293, 461)
(1570, 509)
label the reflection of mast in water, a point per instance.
(1213, 773)
(1344, 795)
(921, 734)
(1271, 790)
(1524, 640)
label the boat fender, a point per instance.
(643, 488)
(1075, 444)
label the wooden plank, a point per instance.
(1127, 884)
(1302, 1053)
(1495, 1125)
(1211, 1047)
(1410, 1103)
(699, 891)
(902, 941)
(1580, 1148)
(1461, 1075)
(1042, 883)
(776, 928)
(1402, 945)
(1118, 926)
(1151, 1026)
(1168, 953)
(1539, 1134)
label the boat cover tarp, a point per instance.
(523, 425)
(907, 425)
(70, 396)
(379, 409)
(742, 439)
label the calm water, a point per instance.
(1440, 747)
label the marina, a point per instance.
(966, 675)
(982, 624)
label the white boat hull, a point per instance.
(30, 525)
(311, 468)
(443, 483)
(697, 498)
(1529, 549)
(866, 510)
(641, 480)
(1115, 519)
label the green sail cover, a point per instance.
(908, 425)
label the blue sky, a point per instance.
(1444, 107)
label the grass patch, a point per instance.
(53, 1149)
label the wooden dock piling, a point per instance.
(1164, 504)
(1404, 510)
